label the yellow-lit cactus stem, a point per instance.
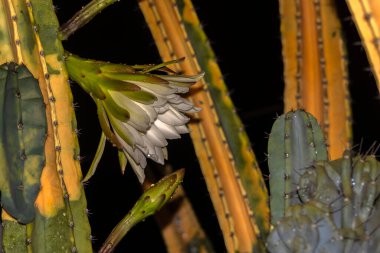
(315, 68)
(229, 166)
(366, 14)
(28, 39)
(139, 107)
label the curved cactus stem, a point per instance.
(366, 14)
(82, 17)
(149, 203)
(315, 68)
(229, 166)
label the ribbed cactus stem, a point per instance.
(296, 142)
(82, 17)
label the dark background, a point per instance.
(246, 40)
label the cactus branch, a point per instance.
(82, 17)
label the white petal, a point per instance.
(165, 152)
(155, 136)
(161, 89)
(172, 117)
(188, 108)
(167, 130)
(136, 135)
(139, 119)
(162, 109)
(159, 155)
(150, 111)
(139, 171)
(182, 129)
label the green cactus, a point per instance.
(296, 142)
(22, 137)
(337, 206)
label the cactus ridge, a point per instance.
(296, 142)
(22, 140)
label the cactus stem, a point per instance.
(82, 17)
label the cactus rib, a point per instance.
(221, 171)
(296, 142)
(315, 68)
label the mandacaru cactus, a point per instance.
(317, 204)
(320, 205)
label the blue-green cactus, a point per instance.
(337, 209)
(296, 142)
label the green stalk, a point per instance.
(150, 201)
(82, 17)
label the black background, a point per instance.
(246, 40)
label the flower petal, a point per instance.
(115, 110)
(173, 117)
(167, 130)
(155, 136)
(141, 96)
(156, 88)
(182, 129)
(138, 116)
